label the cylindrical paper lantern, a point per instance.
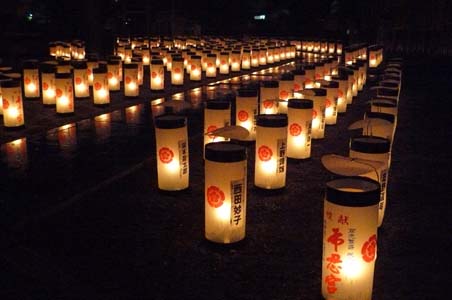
(299, 128)
(131, 87)
(235, 61)
(331, 101)
(225, 192)
(384, 131)
(349, 238)
(342, 79)
(246, 107)
(195, 68)
(255, 57)
(318, 71)
(177, 71)
(224, 63)
(271, 147)
(2, 79)
(318, 113)
(269, 91)
(263, 56)
(298, 79)
(388, 106)
(101, 93)
(211, 65)
(92, 63)
(113, 67)
(157, 75)
(48, 84)
(355, 85)
(64, 90)
(81, 83)
(146, 55)
(140, 71)
(31, 79)
(13, 111)
(246, 59)
(217, 114)
(172, 152)
(309, 76)
(286, 83)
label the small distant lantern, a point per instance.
(355, 84)
(101, 93)
(269, 97)
(246, 59)
(331, 47)
(286, 84)
(172, 152)
(351, 81)
(224, 63)
(255, 57)
(53, 49)
(114, 84)
(225, 192)
(309, 76)
(246, 107)
(318, 112)
(81, 82)
(31, 79)
(211, 66)
(276, 55)
(140, 71)
(319, 66)
(349, 238)
(177, 71)
(271, 147)
(92, 63)
(146, 55)
(262, 56)
(362, 70)
(299, 114)
(13, 111)
(235, 61)
(217, 114)
(341, 92)
(204, 59)
(331, 101)
(270, 57)
(48, 84)
(157, 75)
(327, 69)
(298, 79)
(195, 68)
(131, 87)
(64, 91)
(128, 54)
(339, 48)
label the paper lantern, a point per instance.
(331, 47)
(362, 71)
(92, 63)
(375, 149)
(341, 92)
(351, 80)
(225, 192)
(309, 76)
(172, 152)
(146, 55)
(177, 71)
(224, 63)
(388, 106)
(355, 70)
(2, 79)
(262, 56)
(319, 66)
(286, 84)
(323, 46)
(246, 59)
(255, 57)
(81, 82)
(217, 114)
(276, 54)
(131, 86)
(204, 59)
(64, 90)
(331, 101)
(246, 107)
(349, 238)
(386, 131)
(13, 111)
(128, 54)
(299, 128)
(318, 112)
(113, 67)
(271, 147)
(157, 75)
(235, 61)
(31, 79)
(298, 79)
(270, 57)
(211, 66)
(269, 91)
(101, 93)
(48, 84)
(195, 68)
(339, 48)
(140, 72)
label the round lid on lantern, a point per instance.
(156, 61)
(217, 104)
(370, 144)
(131, 66)
(178, 58)
(287, 77)
(353, 191)
(247, 92)
(299, 72)
(318, 91)
(11, 83)
(380, 115)
(330, 84)
(278, 120)
(170, 122)
(225, 152)
(270, 84)
(63, 75)
(30, 64)
(300, 103)
(47, 68)
(80, 65)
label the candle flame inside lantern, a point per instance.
(13, 112)
(81, 87)
(223, 213)
(31, 87)
(102, 93)
(50, 93)
(269, 166)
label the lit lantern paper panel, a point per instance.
(349, 238)
(92, 63)
(131, 86)
(225, 192)
(255, 57)
(331, 101)
(318, 95)
(195, 68)
(375, 149)
(286, 83)
(318, 71)
(263, 56)
(157, 75)
(140, 71)
(211, 65)
(177, 71)
(298, 79)
(172, 152)
(341, 92)
(351, 81)
(2, 79)
(114, 84)
(217, 114)
(64, 91)
(269, 94)
(31, 79)
(48, 84)
(81, 82)
(101, 93)
(224, 63)
(270, 56)
(299, 128)
(309, 76)
(235, 61)
(246, 107)
(355, 88)
(13, 111)
(246, 59)
(271, 147)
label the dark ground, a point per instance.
(85, 220)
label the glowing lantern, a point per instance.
(351, 81)
(48, 84)
(299, 114)
(341, 92)
(331, 47)
(318, 95)
(177, 71)
(53, 49)
(224, 63)
(146, 55)
(384, 131)
(64, 90)
(217, 114)
(225, 192)
(31, 79)
(92, 64)
(323, 47)
(157, 75)
(81, 85)
(355, 84)
(172, 152)
(140, 72)
(271, 145)
(327, 69)
(309, 76)
(269, 97)
(2, 79)
(349, 238)
(362, 70)
(339, 48)
(319, 67)
(246, 59)
(298, 79)
(128, 54)
(13, 111)
(331, 101)
(195, 68)
(255, 57)
(114, 84)
(101, 93)
(204, 59)
(235, 61)
(131, 86)
(262, 56)
(246, 107)
(270, 57)
(286, 84)
(276, 54)
(211, 66)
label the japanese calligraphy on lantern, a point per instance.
(183, 157)
(237, 202)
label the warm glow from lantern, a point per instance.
(102, 93)
(31, 87)
(13, 112)
(63, 101)
(223, 213)
(50, 93)
(351, 267)
(80, 88)
(113, 81)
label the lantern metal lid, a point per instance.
(299, 72)
(318, 91)
(330, 84)
(270, 84)
(370, 144)
(12, 83)
(80, 65)
(217, 104)
(170, 122)
(247, 92)
(380, 115)
(340, 77)
(30, 64)
(287, 77)
(47, 68)
(300, 103)
(353, 191)
(131, 66)
(100, 70)
(225, 152)
(63, 75)
(277, 120)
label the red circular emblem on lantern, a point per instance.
(284, 95)
(177, 70)
(209, 64)
(242, 116)
(369, 249)
(340, 93)
(128, 80)
(193, 67)
(265, 153)
(296, 87)
(210, 129)
(78, 80)
(223, 62)
(166, 155)
(89, 71)
(295, 129)
(314, 114)
(215, 196)
(153, 74)
(327, 103)
(268, 104)
(45, 86)
(110, 75)
(58, 92)
(5, 103)
(307, 81)
(97, 86)
(27, 80)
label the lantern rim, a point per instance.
(369, 196)
(225, 152)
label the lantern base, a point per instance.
(15, 128)
(220, 247)
(102, 105)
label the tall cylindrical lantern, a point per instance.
(31, 79)
(362, 69)
(246, 59)
(298, 79)
(270, 57)
(2, 79)
(309, 76)
(269, 91)
(204, 59)
(224, 63)
(262, 56)
(225, 192)
(351, 81)
(101, 93)
(64, 90)
(157, 75)
(286, 83)
(255, 57)
(299, 114)
(342, 79)
(349, 238)
(131, 86)
(140, 71)
(128, 54)
(92, 63)
(235, 61)
(355, 86)
(146, 55)
(331, 101)
(177, 71)
(246, 107)
(318, 71)
(211, 66)
(81, 83)
(384, 131)
(318, 113)
(48, 84)
(13, 111)
(271, 147)
(217, 114)
(172, 152)
(195, 68)
(376, 149)
(113, 67)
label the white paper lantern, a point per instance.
(342, 90)
(13, 111)
(331, 101)
(217, 114)
(246, 59)
(246, 107)
(64, 90)
(195, 68)
(299, 128)
(92, 63)
(31, 79)
(286, 84)
(235, 61)
(131, 86)
(157, 76)
(309, 76)
(113, 68)
(269, 92)
(224, 63)
(48, 84)
(298, 79)
(318, 112)
(262, 56)
(255, 57)
(385, 131)
(211, 65)
(81, 83)
(177, 71)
